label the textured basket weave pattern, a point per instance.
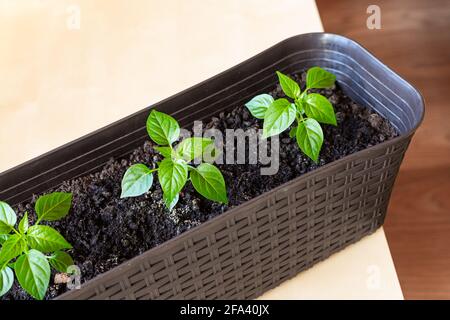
(279, 235)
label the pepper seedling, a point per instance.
(31, 250)
(175, 169)
(308, 109)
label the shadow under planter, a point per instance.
(251, 248)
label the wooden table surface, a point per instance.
(70, 67)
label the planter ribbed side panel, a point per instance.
(257, 247)
(253, 247)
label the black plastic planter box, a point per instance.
(256, 246)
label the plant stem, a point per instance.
(302, 96)
(299, 117)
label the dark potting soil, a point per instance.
(106, 230)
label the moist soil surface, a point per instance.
(106, 230)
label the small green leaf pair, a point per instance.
(309, 109)
(174, 171)
(24, 250)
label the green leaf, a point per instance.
(208, 181)
(279, 117)
(11, 248)
(136, 181)
(6, 280)
(259, 105)
(33, 273)
(192, 148)
(310, 138)
(8, 218)
(171, 204)
(300, 106)
(61, 260)
(211, 153)
(46, 239)
(172, 176)
(165, 151)
(162, 128)
(319, 78)
(53, 206)
(3, 238)
(23, 224)
(318, 107)
(289, 86)
(293, 132)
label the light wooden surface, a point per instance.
(70, 67)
